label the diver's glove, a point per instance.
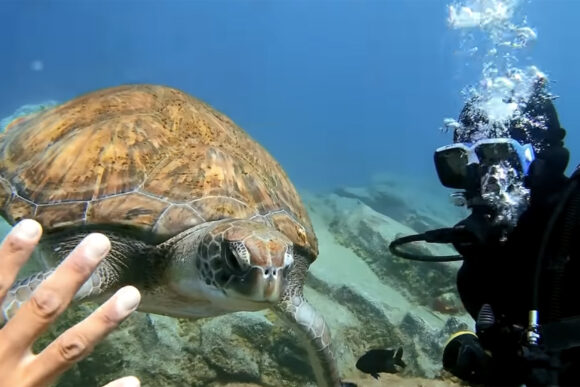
(465, 358)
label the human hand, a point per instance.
(19, 366)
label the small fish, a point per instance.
(381, 360)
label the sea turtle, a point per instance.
(201, 218)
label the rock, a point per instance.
(387, 380)
(384, 293)
(447, 303)
(369, 233)
(233, 345)
(416, 203)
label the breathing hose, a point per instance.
(441, 235)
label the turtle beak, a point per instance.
(269, 290)
(262, 284)
(272, 285)
(269, 284)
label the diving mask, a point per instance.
(454, 162)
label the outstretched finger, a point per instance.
(127, 381)
(78, 342)
(54, 294)
(15, 251)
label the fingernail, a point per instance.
(28, 228)
(131, 381)
(128, 299)
(97, 245)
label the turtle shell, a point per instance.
(144, 158)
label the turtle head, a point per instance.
(246, 260)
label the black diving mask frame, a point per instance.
(453, 162)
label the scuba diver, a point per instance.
(520, 276)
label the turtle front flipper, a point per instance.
(124, 265)
(309, 324)
(19, 293)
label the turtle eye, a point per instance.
(234, 257)
(232, 261)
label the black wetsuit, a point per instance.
(502, 275)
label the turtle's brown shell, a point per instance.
(143, 157)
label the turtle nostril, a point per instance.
(270, 271)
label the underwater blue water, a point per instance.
(335, 90)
